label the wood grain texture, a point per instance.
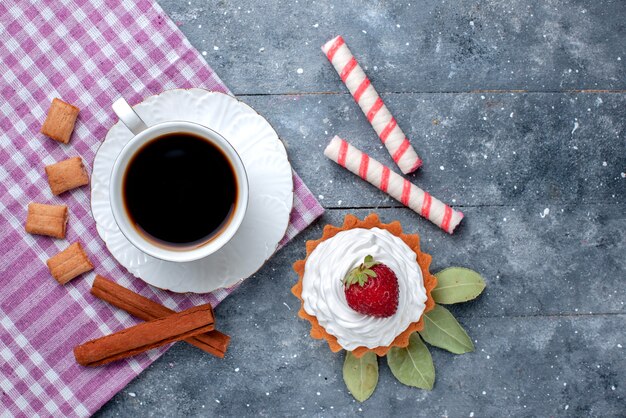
(417, 46)
(523, 105)
(552, 150)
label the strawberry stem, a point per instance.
(361, 273)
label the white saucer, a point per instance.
(269, 206)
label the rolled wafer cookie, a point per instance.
(372, 105)
(393, 184)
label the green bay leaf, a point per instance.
(442, 330)
(361, 374)
(457, 284)
(412, 365)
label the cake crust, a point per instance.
(422, 259)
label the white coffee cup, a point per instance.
(143, 134)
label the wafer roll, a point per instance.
(393, 184)
(372, 105)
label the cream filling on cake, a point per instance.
(324, 296)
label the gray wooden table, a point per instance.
(519, 111)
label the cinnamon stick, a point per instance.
(213, 342)
(145, 336)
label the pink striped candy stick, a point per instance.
(393, 184)
(372, 105)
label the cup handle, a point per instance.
(128, 116)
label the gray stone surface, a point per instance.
(555, 148)
(548, 331)
(550, 327)
(421, 45)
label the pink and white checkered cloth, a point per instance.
(88, 53)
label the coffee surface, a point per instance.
(180, 190)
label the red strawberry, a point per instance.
(372, 289)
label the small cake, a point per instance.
(364, 286)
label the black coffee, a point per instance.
(180, 190)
